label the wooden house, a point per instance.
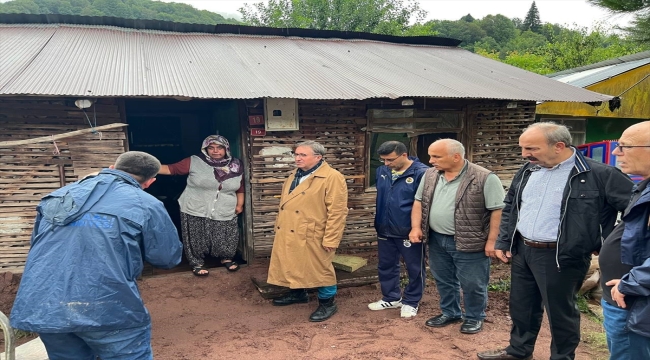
(264, 89)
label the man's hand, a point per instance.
(489, 249)
(329, 249)
(617, 295)
(504, 256)
(415, 236)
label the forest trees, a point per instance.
(130, 9)
(392, 17)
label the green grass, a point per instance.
(597, 343)
(583, 306)
(19, 334)
(499, 285)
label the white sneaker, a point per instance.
(408, 311)
(382, 305)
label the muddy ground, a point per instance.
(223, 316)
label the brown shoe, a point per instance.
(500, 354)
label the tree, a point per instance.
(468, 18)
(532, 21)
(498, 27)
(640, 29)
(468, 32)
(375, 16)
(578, 47)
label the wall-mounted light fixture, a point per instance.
(408, 102)
(84, 103)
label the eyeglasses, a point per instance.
(622, 148)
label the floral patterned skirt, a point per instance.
(203, 236)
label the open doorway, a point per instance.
(173, 130)
(427, 139)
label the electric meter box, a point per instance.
(281, 114)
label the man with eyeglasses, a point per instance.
(308, 229)
(625, 257)
(558, 208)
(397, 181)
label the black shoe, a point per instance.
(500, 354)
(326, 308)
(471, 326)
(295, 296)
(442, 320)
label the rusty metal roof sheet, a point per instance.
(97, 60)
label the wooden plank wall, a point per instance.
(494, 136)
(28, 172)
(338, 126)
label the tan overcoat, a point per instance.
(311, 217)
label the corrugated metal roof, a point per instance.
(79, 60)
(592, 76)
(618, 60)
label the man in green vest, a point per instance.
(457, 209)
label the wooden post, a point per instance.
(61, 175)
(59, 136)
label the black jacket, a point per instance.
(592, 199)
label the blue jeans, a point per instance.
(454, 270)
(124, 344)
(388, 268)
(622, 343)
(326, 292)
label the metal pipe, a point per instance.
(8, 331)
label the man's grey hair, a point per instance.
(140, 165)
(453, 146)
(553, 132)
(317, 148)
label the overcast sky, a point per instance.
(553, 11)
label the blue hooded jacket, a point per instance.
(635, 251)
(395, 199)
(87, 248)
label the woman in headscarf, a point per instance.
(210, 203)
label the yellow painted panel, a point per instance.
(634, 104)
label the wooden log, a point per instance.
(60, 136)
(366, 275)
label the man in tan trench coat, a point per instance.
(308, 229)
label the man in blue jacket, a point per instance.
(79, 291)
(625, 256)
(397, 182)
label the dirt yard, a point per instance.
(223, 316)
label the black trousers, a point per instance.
(537, 285)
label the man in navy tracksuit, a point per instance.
(397, 181)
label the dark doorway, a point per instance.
(425, 140)
(172, 130)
